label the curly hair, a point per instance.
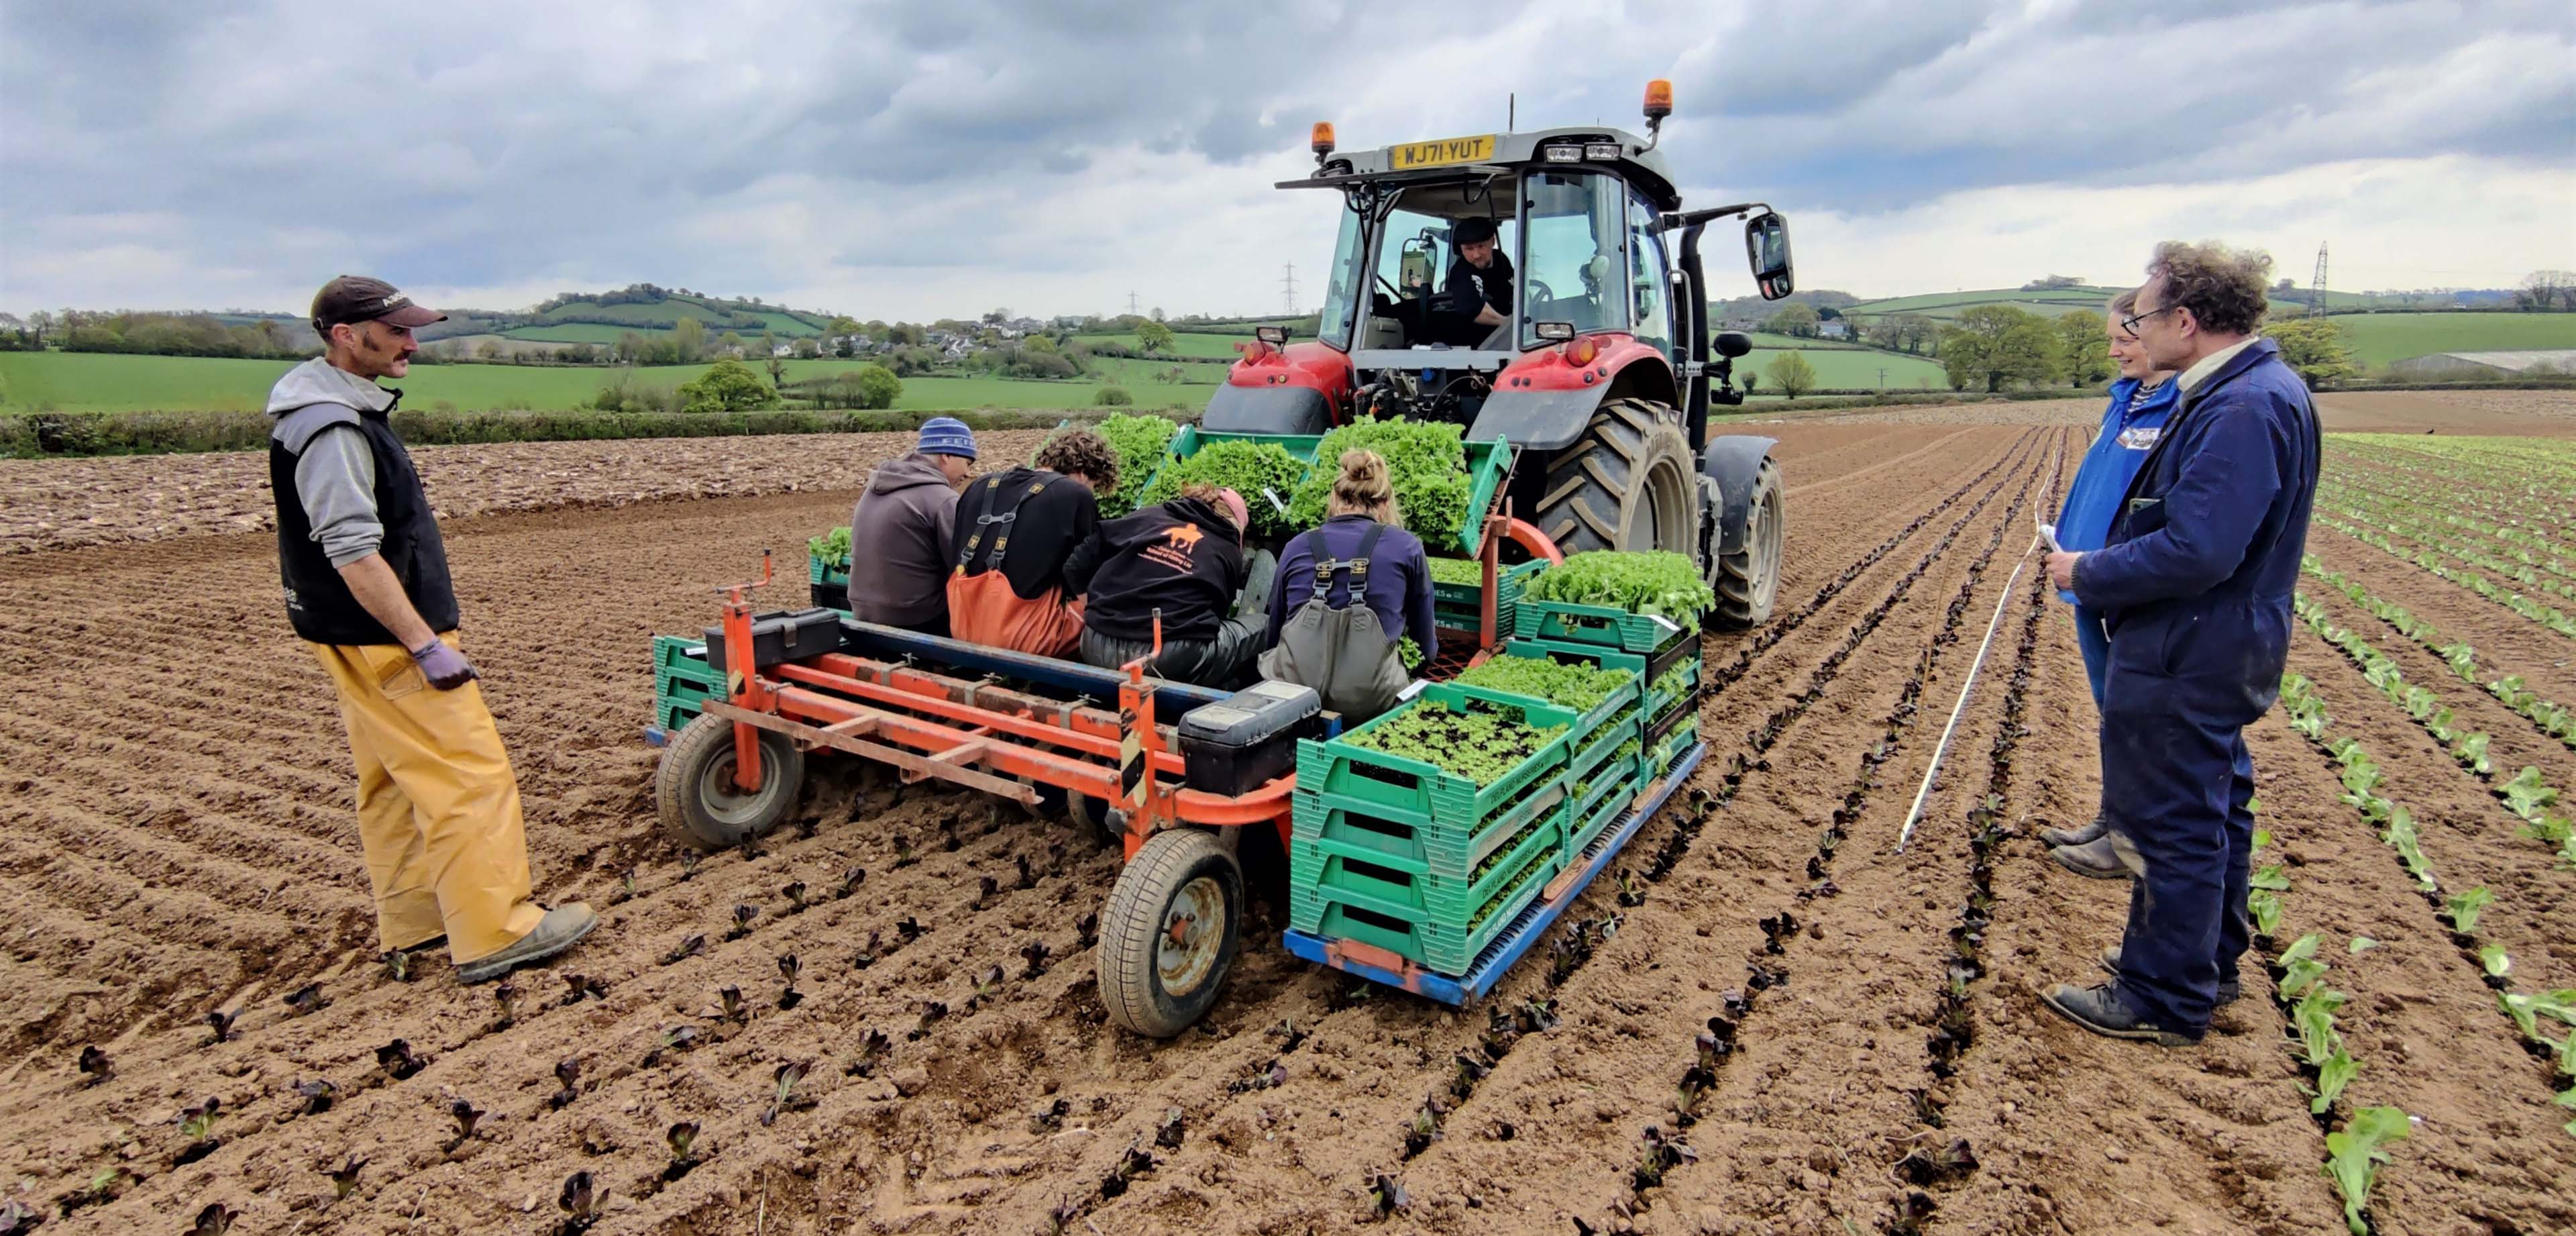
(1084, 453)
(2223, 288)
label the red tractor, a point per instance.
(1582, 340)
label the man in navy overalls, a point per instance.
(2142, 399)
(2195, 584)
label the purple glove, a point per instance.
(446, 667)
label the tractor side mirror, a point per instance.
(1733, 343)
(1766, 247)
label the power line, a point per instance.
(2317, 287)
(1288, 288)
(1131, 304)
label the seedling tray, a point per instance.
(1321, 872)
(1488, 463)
(1530, 924)
(1598, 746)
(819, 572)
(1362, 830)
(1468, 598)
(1593, 624)
(1612, 790)
(1660, 757)
(1414, 792)
(679, 652)
(1442, 943)
(1610, 709)
(1660, 706)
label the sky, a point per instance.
(910, 161)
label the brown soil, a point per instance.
(176, 837)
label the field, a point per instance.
(177, 840)
(1949, 304)
(1847, 368)
(1186, 343)
(72, 381)
(2378, 338)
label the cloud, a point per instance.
(913, 160)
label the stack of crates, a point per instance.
(682, 680)
(1397, 853)
(1671, 716)
(1602, 773)
(1460, 607)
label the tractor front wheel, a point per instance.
(1628, 483)
(1747, 581)
(697, 798)
(1168, 935)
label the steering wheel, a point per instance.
(1538, 291)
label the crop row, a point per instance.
(2523, 569)
(2544, 615)
(2515, 466)
(2459, 912)
(2385, 493)
(2528, 510)
(2550, 718)
(2527, 795)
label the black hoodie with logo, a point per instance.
(1182, 557)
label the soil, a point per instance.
(176, 837)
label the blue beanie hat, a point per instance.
(946, 435)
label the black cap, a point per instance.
(1472, 231)
(357, 298)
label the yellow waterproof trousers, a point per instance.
(438, 807)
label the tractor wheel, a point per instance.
(1627, 483)
(1091, 815)
(695, 794)
(1168, 935)
(1748, 580)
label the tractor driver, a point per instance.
(1480, 280)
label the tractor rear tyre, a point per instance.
(1747, 581)
(1168, 935)
(695, 794)
(1628, 483)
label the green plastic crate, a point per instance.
(1488, 463)
(1661, 755)
(1349, 826)
(1620, 730)
(1468, 598)
(1321, 871)
(1421, 794)
(817, 572)
(1442, 946)
(1566, 622)
(1619, 701)
(1613, 789)
(678, 652)
(1659, 704)
(674, 714)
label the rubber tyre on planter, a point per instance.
(1628, 483)
(1160, 962)
(1747, 582)
(694, 791)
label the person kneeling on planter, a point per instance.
(1345, 590)
(1015, 533)
(1183, 558)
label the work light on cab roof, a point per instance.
(1544, 291)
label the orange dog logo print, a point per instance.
(1181, 541)
(1185, 537)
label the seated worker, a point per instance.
(1346, 652)
(1185, 558)
(1015, 531)
(1480, 282)
(899, 531)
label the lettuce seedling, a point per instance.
(742, 916)
(399, 1061)
(1169, 1133)
(1536, 1016)
(16, 1219)
(1425, 1128)
(1087, 928)
(397, 965)
(1387, 1196)
(1136, 1162)
(2526, 795)
(317, 1095)
(580, 985)
(2333, 1075)
(1035, 953)
(2472, 754)
(1471, 1070)
(985, 887)
(2353, 1156)
(794, 892)
(785, 1100)
(579, 1201)
(867, 954)
(215, 1220)
(465, 1114)
(507, 994)
(908, 929)
(931, 1012)
(2265, 909)
(2463, 909)
(1631, 893)
(625, 886)
(1028, 875)
(197, 1124)
(2313, 1018)
(96, 1065)
(684, 950)
(307, 1000)
(729, 997)
(849, 882)
(988, 983)
(1930, 1165)
(344, 1178)
(903, 855)
(2493, 959)
(791, 967)
(567, 1072)
(689, 860)
(684, 1140)
(1049, 1117)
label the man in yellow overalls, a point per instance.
(367, 586)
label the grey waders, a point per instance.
(1339, 649)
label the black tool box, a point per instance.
(1240, 743)
(781, 636)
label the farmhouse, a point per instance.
(2487, 364)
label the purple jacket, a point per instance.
(1399, 580)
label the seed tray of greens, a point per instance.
(832, 549)
(1247, 468)
(1478, 745)
(1654, 583)
(1569, 685)
(1676, 681)
(1459, 572)
(1426, 460)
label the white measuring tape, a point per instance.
(1915, 813)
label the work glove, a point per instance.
(446, 668)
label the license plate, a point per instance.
(1445, 151)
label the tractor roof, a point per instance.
(1494, 153)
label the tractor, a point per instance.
(1598, 373)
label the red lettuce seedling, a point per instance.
(96, 1065)
(344, 1178)
(465, 1114)
(867, 954)
(742, 916)
(1136, 1162)
(1661, 1155)
(1271, 1074)
(197, 1124)
(580, 1201)
(985, 887)
(794, 892)
(1631, 893)
(316, 1095)
(1035, 953)
(1050, 1117)
(398, 965)
(568, 1072)
(1387, 1196)
(507, 994)
(684, 1139)
(689, 860)
(1088, 927)
(1290, 1037)
(988, 983)
(1930, 1165)
(215, 1220)
(580, 985)
(730, 997)
(685, 950)
(307, 1000)
(751, 848)
(791, 967)
(788, 1075)
(931, 1012)
(1425, 1128)
(672, 1038)
(399, 1061)
(1168, 1134)
(903, 855)
(625, 886)
(1061, 1216)
(873, 1047)
(16, 1219)
(1028, 876)
(948, 834)
(1536, 1016)
(909, 930)
(850, 882)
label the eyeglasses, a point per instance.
(2130, 323)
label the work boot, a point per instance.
(2093, 858)
(2086, 835)
(2228, 989)
(553, 934)
(2100, 1010)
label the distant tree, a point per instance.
(1750, 378)
(1796, 320)
(489, 349)
(1112, 397)
(2082, 340)
(1998, 344)
(996, 317)
(2287, 284)
(2052, 283)
(2316, 347)
(629, 349)
(2541, 289)
(689, 336)
(807, 348)
(1040, 343)
(1154, 336)
(727, 386)
(730, 344)
(777, 370)
(878, 387)
(1915, 333)
(844, 325)
(1792, 374)
(40, 324)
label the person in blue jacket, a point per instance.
(2194, 582)
(2141, 398)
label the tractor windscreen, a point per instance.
(1574, 264)
(1342, 291)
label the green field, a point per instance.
(2379, 338)
(81, 381)
(1202, 347)
(1844, 368)
(572, 332)
(1951, 304)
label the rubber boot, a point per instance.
(2100, 1010)
(2085, 835)
(2093, 859)
(557, 931)
(2228, 989)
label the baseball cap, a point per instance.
(357, 298)
(946, 435)
(1474, 230)
(1234, 506)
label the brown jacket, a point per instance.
(899, 543)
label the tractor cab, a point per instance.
(1545, 290)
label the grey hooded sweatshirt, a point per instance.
(335, 473)
(899, 543)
